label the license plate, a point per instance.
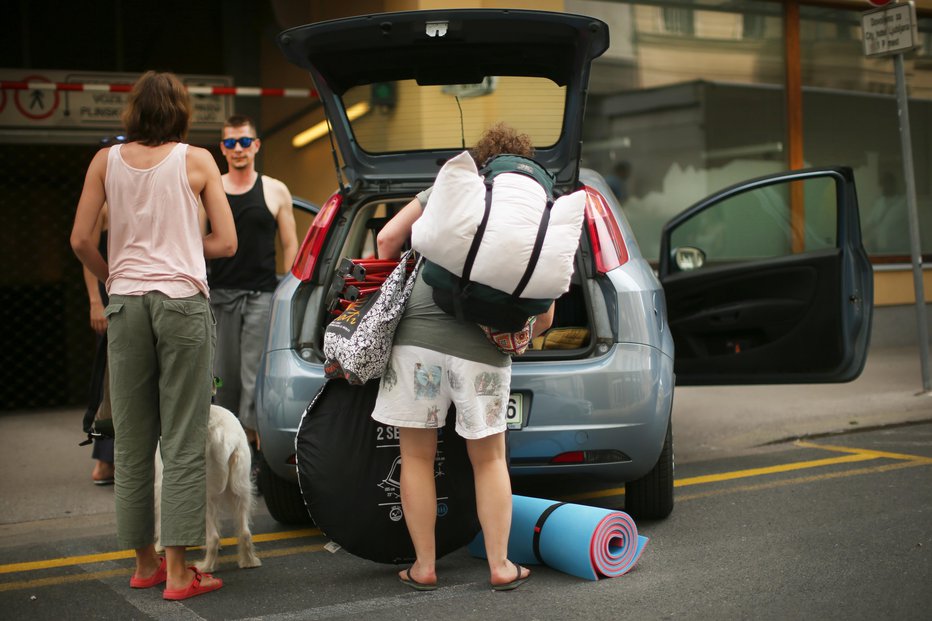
(514, 416)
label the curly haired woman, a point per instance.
(440, 360)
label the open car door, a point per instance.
(767, 282)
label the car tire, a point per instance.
(282, 498)
(651, 496)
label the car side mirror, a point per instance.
(688, 258)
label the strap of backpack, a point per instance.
(463, 281)
(535, 252)
(477, 240)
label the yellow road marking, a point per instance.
(756, 472)
(879, 454)
(738, 474)
(127, 571)
(124, 554)
(803, 480)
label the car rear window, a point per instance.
(404, 116)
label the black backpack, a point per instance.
(472, 301)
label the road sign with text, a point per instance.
(890, 29)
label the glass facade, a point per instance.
(690, 98)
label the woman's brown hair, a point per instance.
(499, 139)
(158, 110)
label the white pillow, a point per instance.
(445, 230)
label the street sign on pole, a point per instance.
(890, 29)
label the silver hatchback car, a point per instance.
(764, 282)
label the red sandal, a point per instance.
(160, 576)
(194, 587)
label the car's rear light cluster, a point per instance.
(607, 243)
(303, 267)
(607, 456)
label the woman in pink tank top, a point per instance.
(161, 331)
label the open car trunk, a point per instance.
(353, 236)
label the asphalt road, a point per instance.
(835, 528)
(835, 525)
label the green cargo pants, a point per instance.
(160, 351)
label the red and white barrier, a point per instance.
(236, 91)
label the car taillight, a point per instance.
(303, 267)
(600, 456)
(608, 245)
(573, 457)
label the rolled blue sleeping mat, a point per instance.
(588, 542)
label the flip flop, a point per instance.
(193, 588)
(160, 576)
(108, 481)
(514, 584)
(414, 584)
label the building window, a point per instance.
(679, 21)
(753, 26)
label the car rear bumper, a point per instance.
(619, 402)
(616, 406)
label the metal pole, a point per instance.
(915, 247)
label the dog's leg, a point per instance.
(246, 551)
(216, 482)
(242, 494)
(213, 537)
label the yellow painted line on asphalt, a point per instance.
(127, 571)
(756, 472)
(124, 554)
(804, 480)
(59, 580)
(878, 454)
(738, 474)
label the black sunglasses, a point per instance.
(245, 142)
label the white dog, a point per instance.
(228, 482)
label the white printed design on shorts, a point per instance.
(389, 377)
(432, 416)
(488, 384)
(426, 381)
(493, 412)
(455, 380)
(469, 423)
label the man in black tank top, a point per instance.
(241, 286)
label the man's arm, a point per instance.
(284, 218)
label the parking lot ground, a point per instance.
(838, 527)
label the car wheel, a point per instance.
(651, 496)
(282, 498)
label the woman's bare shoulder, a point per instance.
(201, 158)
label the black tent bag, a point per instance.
(349, 471)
